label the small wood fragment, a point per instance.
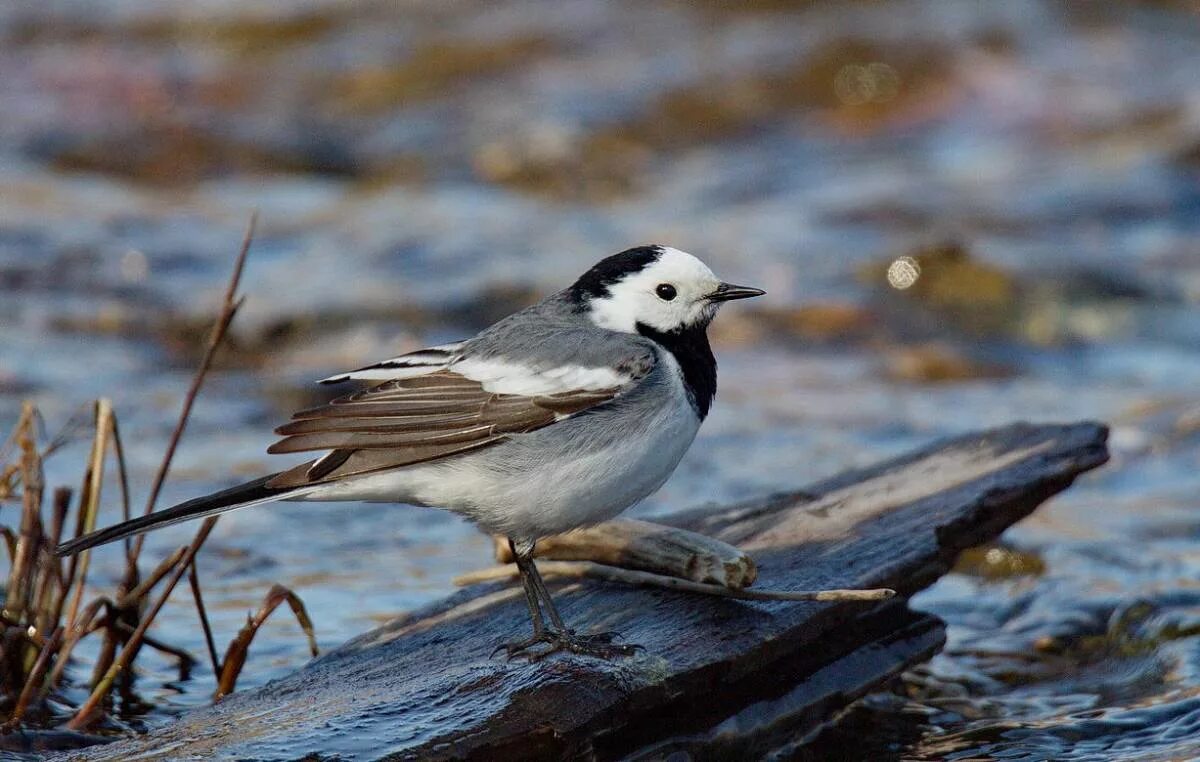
(593, 570)
(650, 547)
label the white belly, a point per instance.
(565, 493)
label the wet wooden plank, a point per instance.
(718, 677)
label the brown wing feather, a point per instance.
(381, 424)
(414, 420)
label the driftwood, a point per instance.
(719, 678)
(633, 544)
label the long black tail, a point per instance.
(250, 493)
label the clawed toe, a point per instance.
(599, 645)
(517, 648)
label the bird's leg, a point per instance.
(544, 596)
(535, 611)
(558, 636)
(531, 595)
(531, 601)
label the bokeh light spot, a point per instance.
(903, 272)
(858, 84)
(135, 267)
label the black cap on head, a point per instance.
(595, 282)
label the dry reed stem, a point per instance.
(58, 519)
(131, 597)
(186, 659)
(49, 588)
(198, 597)
(88, 624)
(7, 475)
(107, 654)
(67, 432)
(74, 635)
(90, 707)
(239, 648)
(12, 470)
(49, 585)
(30, 539)
(123, 476)
(52, 586)
(35, 677)
(22, 641)
(89, 505)
(229, 309)
(126, 607)
(10, 541)
(590, 569)
(18, 593)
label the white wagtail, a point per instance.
(559, 416)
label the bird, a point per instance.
(559, 416)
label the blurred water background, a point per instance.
(965, 214)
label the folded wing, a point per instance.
(447, 411)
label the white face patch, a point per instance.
(637, 298)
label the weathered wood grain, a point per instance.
(719, 678)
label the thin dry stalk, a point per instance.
(58, 515)
(132, 597)
(123, 615)
(55, 589)
(235, 657)
(10, 542)
(228, 311)
(91, 707)
(186, 660)
(91, 624)
(194, 581)
(10, 473)
(229, 308)
(20, 578)
(123, 476)
(89, 501)
(35, 679)
(51, 584)
(73, 636)
(69, 430)
(103, 683)
(127, 613)
(46, 591)
(107, 653)
(8, 476)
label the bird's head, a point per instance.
(654, 288)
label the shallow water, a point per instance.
(420, 174)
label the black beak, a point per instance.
(727, 292)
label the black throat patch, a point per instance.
(691, 350)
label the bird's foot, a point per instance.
(600, 645)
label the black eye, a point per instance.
(665, 291)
